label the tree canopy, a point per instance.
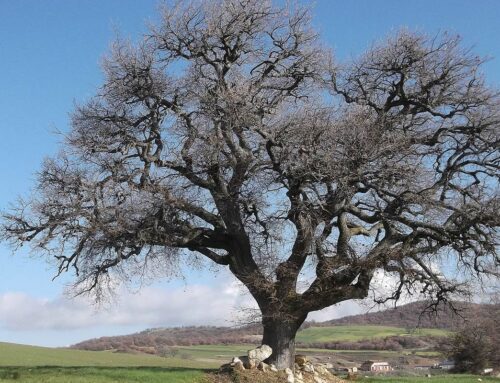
(231, 132)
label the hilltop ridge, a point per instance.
(412, 315)
(406, 317)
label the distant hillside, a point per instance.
(400, 321)
(152, 341)
(410, 316)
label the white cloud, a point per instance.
(218, 302)
(150, 307)
(338, 311)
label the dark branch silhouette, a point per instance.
(228, 132)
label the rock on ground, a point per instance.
(260, 353)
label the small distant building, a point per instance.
(447, 365)
(376, 366)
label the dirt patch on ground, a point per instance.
(256, 376)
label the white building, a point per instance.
(375, 366)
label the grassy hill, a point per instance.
(100, 375)
(22, 355)
(156, 342)
(196, 356)
(392, 322)
(359, 332)
(412, 315)
(29, 364)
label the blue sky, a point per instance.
(50, 59)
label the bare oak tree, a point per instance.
(229, 132)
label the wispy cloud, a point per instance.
(218, 303)
(150, 307)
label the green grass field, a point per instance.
(13, 355)
(100, 375)
(354, 333)
(29, 364)
(209, 356)
(441, 379)
(218, 353)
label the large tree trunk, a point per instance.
(279, 333)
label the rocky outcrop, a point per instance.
(307, 372)
(304, 370)
(253, 360)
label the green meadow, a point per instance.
(203, 356)
(30, 364)
(100, 375)
(354, 333)
(13, 355)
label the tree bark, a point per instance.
(279, 334)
